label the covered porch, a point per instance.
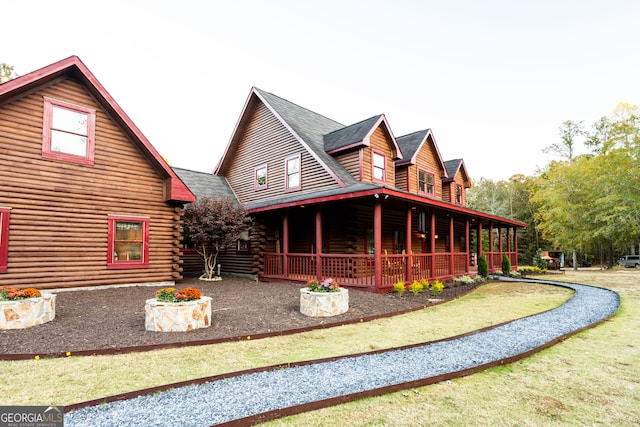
(376, 240)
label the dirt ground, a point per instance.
(113, 318)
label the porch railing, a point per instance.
(358, 270)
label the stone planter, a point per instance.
(177, 316)
(28, 312)
(324, 304)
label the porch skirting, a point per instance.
(324, 304)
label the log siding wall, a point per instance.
(59, 217)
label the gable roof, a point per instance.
(411, 145)
(73, 68)
(358, 134)
(306, 127)
(453, 166)
(204, 184)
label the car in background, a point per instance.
(630, 261)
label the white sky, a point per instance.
(493, 79)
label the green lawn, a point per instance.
(592, 378)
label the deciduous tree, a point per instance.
(213, 224)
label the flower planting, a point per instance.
(173, 295)
(327, 285)
(11, 294)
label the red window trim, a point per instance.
(124, 264)
(373, 167)
(256, 185)
(4, 238)
(458, 187)
(286, 173)
(427, 174)
(49, 104)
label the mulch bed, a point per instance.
(112, 319)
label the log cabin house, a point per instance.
(351, 202)
(85, 199)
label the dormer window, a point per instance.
(292, 171)
(68, 132)
(459, 194)
(379, 167)
(425, 182)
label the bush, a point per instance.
(399, 288)
(483, 267)
(538, 261)
(506, 265)
(416, 287)
(437, 287)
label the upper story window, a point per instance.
(459, 194)
(68, 132)
(260, 178)
(4, 238)
(379, 167)
(128, 245)
(292, 170)
(425, 182)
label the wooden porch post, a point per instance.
(479, 242)
(508, 239)
(407, 245)
(490, 260)
(467, 236)
(452, 249)
(319, 243)
(515, 245)
(432, 244)
(285, 244)
(377, 242)
(500, 244)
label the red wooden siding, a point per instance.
(58, 233)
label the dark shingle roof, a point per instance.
(409, 144)
(204, 184)
(349, 135)
(452, 167)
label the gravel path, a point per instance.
(247, 395)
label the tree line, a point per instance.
(586, 205)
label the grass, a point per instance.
(592, 378)
(63, 381)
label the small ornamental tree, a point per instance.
(538, 261)
(506, 265)
(213, 224)
(483, 267)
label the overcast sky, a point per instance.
(494, 80)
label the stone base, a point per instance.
(177, 316)
(28, 312)
(324, 304)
